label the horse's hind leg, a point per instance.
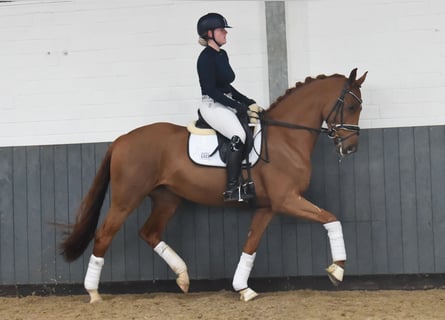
(164, 205)
(123, 202)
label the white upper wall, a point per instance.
(401, 43)
(90, 70)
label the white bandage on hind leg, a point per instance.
(335, 235)
(93, 273)
(170, 257)
(242, 272)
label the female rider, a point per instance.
(221, 102)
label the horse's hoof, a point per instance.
(183, 281)
(94, 296)
(247, 294)
(335, 274)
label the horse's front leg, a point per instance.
(260, 221)
(297, 206)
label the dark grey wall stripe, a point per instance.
(276, 48)
(389, 197)
(7, 271)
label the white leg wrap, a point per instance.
(335, 235)
(93, 273)
(242, 272)
(171, 258)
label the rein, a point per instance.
(331, 131)
(272, 122)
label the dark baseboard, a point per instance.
(365, 282)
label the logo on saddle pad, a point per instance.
(203, 144)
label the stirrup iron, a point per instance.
(229, 195)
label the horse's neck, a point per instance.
(302, 108)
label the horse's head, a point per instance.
(342, 119)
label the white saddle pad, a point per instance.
(200, 147)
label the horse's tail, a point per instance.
(88, 213)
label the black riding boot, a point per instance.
(234, 160)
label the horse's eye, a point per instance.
(351, 108)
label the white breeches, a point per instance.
(335, 235)
(221, 118)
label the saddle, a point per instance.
(208, 147)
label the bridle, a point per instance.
(336, 111)
(334, 125)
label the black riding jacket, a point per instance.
(215, 75)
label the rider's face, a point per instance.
(220, 35)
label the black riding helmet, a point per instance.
(211, 21)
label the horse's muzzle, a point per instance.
(344, 150)
(345, 138)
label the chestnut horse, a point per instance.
(153, 161)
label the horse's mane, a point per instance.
(301, 84)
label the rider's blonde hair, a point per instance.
(202, 41)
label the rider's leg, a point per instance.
(225, 121)
(234, 160)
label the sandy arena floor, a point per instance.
(300, 304)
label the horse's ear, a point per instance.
(352, 76)
(362, 79)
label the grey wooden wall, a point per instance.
(389, 197)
